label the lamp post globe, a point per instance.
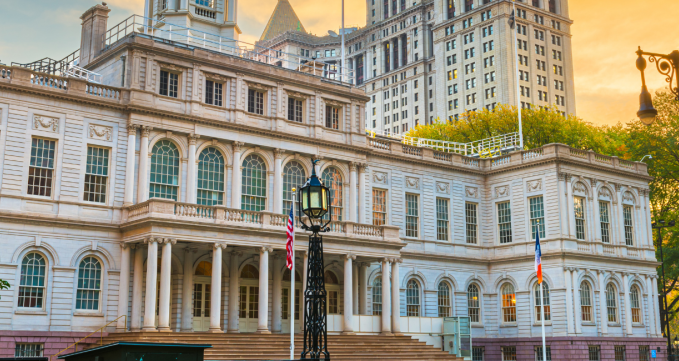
(646, 111)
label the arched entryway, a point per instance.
(202, 279)
(248, 299)
(285, 303)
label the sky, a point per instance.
(606, 33)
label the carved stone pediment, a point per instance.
(604, 192)
(257, 86)
(296, 95)
(333, 103)
(216, 77)
(443, 187)
(171, 67)
(100, 132)
(579, 187)
(628, 197)
(49, 124)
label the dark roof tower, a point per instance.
(282, 19)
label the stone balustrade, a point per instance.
(164, 209)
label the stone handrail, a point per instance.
(221, 215)
(5, 72)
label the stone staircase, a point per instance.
(248, 346)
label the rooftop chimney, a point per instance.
(92, 35)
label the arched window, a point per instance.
(89, 285)
(611, 303)
(32, 283)
(473, 303)
(204, 269)
(294, 176)
(333, 293)
(286, 276)
(412, 299)
(635, 305)
(333, 179)
(210, 190)
(253, 196)
(508, 303)
(586, 301)
(164, 181)
(539, 299)
(377, 296)
(249, 272)
(444, 300)
(552, 6)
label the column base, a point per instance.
(398, 334)
(186, 330)
(149, 329)
(164, 329)
(348, 333)
(387, 333)
(215, 330)
(263, 332)
(232, 331)
(135, 329)
(121, 329)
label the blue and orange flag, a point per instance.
(538, 256)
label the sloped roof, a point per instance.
(282, 19)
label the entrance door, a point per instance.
(201, 306)
(249, 308)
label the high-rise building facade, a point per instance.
(420, 62)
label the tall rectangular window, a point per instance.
(471, 222)
(644, 352)
(213, 93)
(594, 353)
(96, 174)
(442, 219)
(255, 101)
(477, 353)
(332, 117)
(295, 110)
(412, 215)
(508, 353)
(579, 209)
(169, 84)
(538, 353)
(41, 170)
(619, 353)
(379, 207)
(537, 216)
(605, 220)
(629, 230)
(504, 222)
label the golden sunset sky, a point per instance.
(606, 34)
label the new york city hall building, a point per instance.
(161, 193)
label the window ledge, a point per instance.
(638, 325)
(87, 314)
(30, 312)
(614, 324)
(508, 324)
(539, 324)
(477, 325)
(588, 323)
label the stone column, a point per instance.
(655, 314)
(137, 280)
(348, 298)
(361, 193)
(354, 289)
(602, 303)
(165, 285)
(363, 281)
(151, 284)
(263, 321)
(236, 176)
(124, 287)
(129, 166)
(233, 292)
(628, 305)
(563, 205)
(278, 182)
(569, 300)
(216, 291)
(353, 189)
(650, 315)
(191, 171)
(395, 298)
(620, 218)
(187, 291)
(576, 302)
(277, 295)
(386, 299)
(143, 184)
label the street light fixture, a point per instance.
(659, 225)
(314, 202)
(667, 65)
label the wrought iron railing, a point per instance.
(101, 338)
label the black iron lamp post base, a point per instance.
(315, 318)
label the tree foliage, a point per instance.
(4, 285)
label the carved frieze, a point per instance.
(46, 123)
(412, 183)
(216, 77)
(333, 103)
(380, 177)
(443, 187)
(501, 191)
(171, 67)
(471, 192)
(534, 185)
(295, 95)
(100, 132)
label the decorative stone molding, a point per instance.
(333, 103)
(604, 192)
(471, 192)
(627, 196)
(216, 77)
(132, 128)
(171, 67)
(443, 187)
(219, 245)
(561, 176)
(146, 131)
(380, 177)
(192, 139)
(351, 256)
(238, 146)
(100, 132)
(501, 191)
(534, 185)
(579, 187)
(593, 182)
(167, 240)
(46, 123)
(295, 95)
(412, 183)
(278, 153)
(265, 249)
(353, 166)
(363, 167)
(151, 240)
(618, 187)
(257, 86)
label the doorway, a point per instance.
(202, 287)
(248, 296)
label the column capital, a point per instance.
(363, 264)
(386, 259)
(625, 274)
(173, 241)
(150, 240)
(278, 153)
(350, 256)
(145, 131)
(353, 166)
(238, 146)
(192, 138)
(317, 157)
(126, 246)
(132, 128)
(265, 249)
(601, 272)
(396, 260)
(219, 245)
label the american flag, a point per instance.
(538, 255)
(291, 239)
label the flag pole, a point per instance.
(518, 85)
(292, 283)
(542, 312)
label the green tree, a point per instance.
(4, 285)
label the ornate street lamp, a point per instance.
(659, 225)
(667, 65)
(314, 202)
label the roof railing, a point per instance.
(137, 24)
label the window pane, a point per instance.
(294, 176)
(537, 216)
(586, 301)
(629, 231)
(508, 303)
(412, 215)
(538, 302)
(605, 222)
(379, 207)
(471, 222)
(611, 303)
(444, 300)
(504, 220)
(254, 181)
(89, 284)
(96, 174)
(441, 219)
(377, 296)
(210, 188)
(164, 182)
(32, 281)
(332, 179)
(41, 168)
(473, 303)
(413, 299)
(579, 208)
